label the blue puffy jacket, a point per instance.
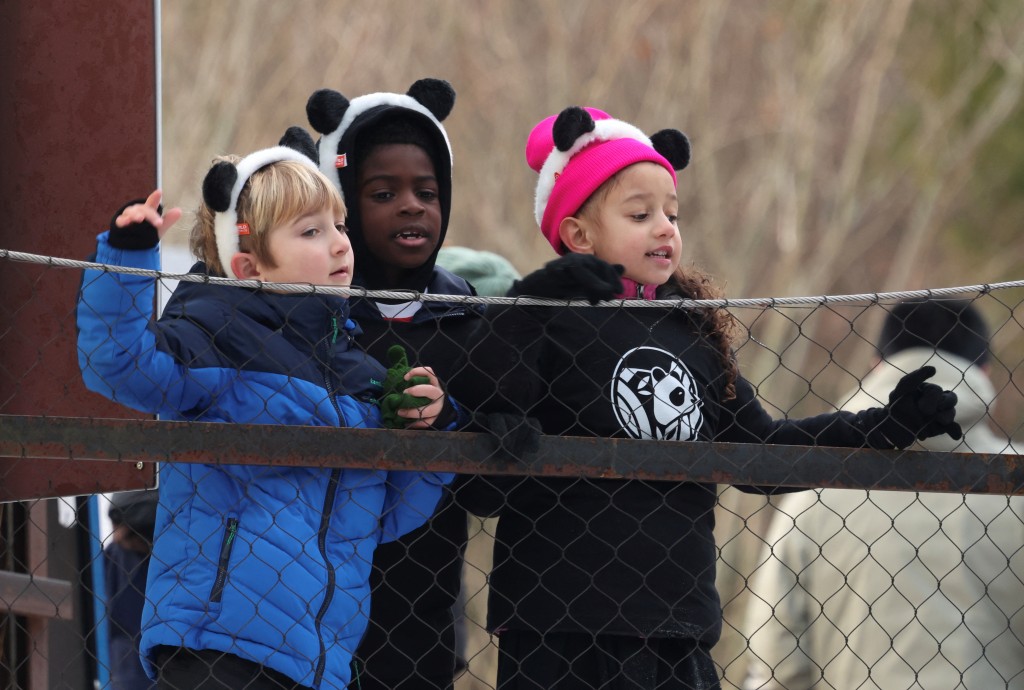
(268, 563)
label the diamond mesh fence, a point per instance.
(613, 495)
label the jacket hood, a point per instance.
(368, 269)
(345, 124)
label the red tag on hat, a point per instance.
(341, 161)
(243, 228)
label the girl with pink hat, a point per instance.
(607, 582)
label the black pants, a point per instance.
(571, 661)
(180, 668)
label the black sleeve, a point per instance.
(502, 375)
(502, 372)
(744, 420)
(483, 495)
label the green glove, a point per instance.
(394, 397)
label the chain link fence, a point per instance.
(635, 539)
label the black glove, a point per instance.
(916, 411)
(573, 276)
(514, 435)
(136, 235)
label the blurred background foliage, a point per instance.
(826, 131)
(839, 147)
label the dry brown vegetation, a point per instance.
(834, 147)
(837, 146)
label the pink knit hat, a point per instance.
(576, 151)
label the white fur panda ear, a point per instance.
(674, 146)
(223, 185)
(217, 186)
(325, 110)
(299, 139)
(436, 95)
(218, 194)
(570, 125)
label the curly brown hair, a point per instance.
(715, 324)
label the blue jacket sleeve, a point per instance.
(117, 343)
(411, 500)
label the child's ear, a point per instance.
(245, 267)
(573, 232)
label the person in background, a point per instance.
(126, 560)
(490, 274)
(892, 589)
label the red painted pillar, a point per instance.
(78, 136)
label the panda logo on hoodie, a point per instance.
(655, 396)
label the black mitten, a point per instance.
(573, 276)
(916, 410)
(142, 235)
(515, 435)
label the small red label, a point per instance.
(243, 229)
(341, 161)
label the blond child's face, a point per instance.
(313, 248)
(636, 224)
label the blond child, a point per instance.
(259, 574)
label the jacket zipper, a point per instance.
(325, 519)
(222, 565)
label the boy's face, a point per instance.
(399, 206)
(313, 248)
(636, 224)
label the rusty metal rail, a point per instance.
(148, 441)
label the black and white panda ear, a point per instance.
(217, 186)
(299, 139)
(325, 109)
(570, 125)
(436, 95)
(674, 146)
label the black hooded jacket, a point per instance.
(410, 641)
(625, 557)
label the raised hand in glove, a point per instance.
(916, 410)
(573, 276)
(142, 223)
(396, 386)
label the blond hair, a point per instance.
(274, 195)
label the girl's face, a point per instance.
(635, 224)
(399, 206)
(313, 248)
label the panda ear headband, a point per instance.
(576, 151)
(223, 185)
(331, 114)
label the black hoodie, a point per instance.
(410, 641)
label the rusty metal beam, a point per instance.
(73, 439)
